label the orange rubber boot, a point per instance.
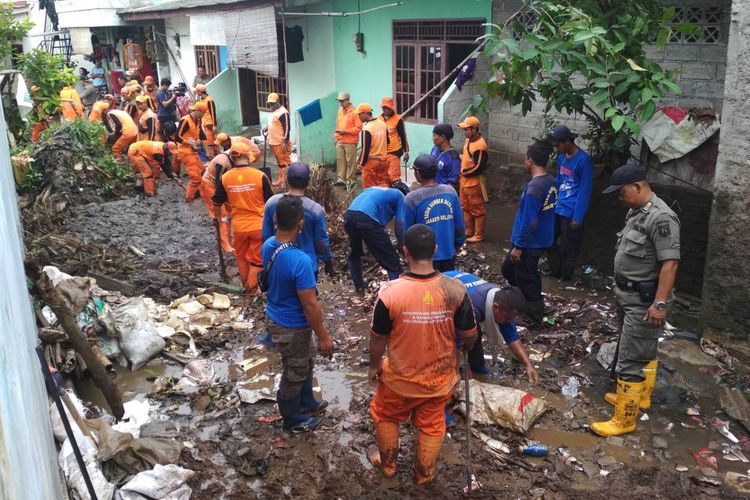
(428, 451)
(386, 434)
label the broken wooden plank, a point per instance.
(113, 285)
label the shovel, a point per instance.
(264, 168)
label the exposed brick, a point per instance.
(698, 71)
(504, 145)
(653, 53)
(714, 53)
(709, 89)
(504, 132)
(677, 52)
(721, 70)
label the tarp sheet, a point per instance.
(252, 41)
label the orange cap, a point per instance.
(105, 105)
(387, 102)
(142, 99)
(242, 149)
(109, 97)
(149, 79)
(364, 108)
(470, 121)
(200, 88)
(273, 98)
(172, 147)
(222, 137)
(199, 106)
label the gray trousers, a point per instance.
(294, 346)
(638, 340)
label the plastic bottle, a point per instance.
(534, 450)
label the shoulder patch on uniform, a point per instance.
(663, 230)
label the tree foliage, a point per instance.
(49, 73)
(11, 29)
(587, 57)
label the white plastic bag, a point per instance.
(69, 466)
(139, 339)
(163, 482)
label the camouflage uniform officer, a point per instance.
(648, 253)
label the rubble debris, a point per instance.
(139, 339)
(510, 408)
(162, 482)
(734, 404)
(740, 482)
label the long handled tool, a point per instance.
(264, 168)
(222, 265)
(469, 471)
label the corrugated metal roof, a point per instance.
(187, 5)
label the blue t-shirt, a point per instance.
(534, 225)
(167, 112)
(313, 239)
(291, 271)
(478, 289)
(574, 179)
(381, 204)
(448, 165)
(438, 207)
(98, 77)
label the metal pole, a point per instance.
(469, 472)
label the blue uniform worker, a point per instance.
(313, 239)
(533, 228)
(448, 159)
(365, 222)
(438, 207)
(575, 173)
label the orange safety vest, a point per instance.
(394, 140)
(147, 149)
(347, 119)
(209, 117)
(244, 188)
(188, 128)
(222, 161)
(378, 138)
(143, 133)
(467, 160)
(70, 104)
(127, 125)
(276, 133)
(97, 110)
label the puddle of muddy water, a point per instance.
(337, 387)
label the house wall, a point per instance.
(184, 70)
(225, 90)
(369, 76)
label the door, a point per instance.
(248, 97)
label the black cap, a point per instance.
(298, 171)
(443, 129)
(627, 174)
(425, 165)
(560, 133)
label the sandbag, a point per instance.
(139, 339)
(163, 482)
(72, 472)
(510, 408)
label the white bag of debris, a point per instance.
(510, 408)
(69, 466)
(163, 482)
(139, 339)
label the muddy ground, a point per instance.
(236, 453)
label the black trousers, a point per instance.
(525, 273)
(362, 229)
(563, 255)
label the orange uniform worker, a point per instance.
(124, 132)
(149, 158)
(374, 148)
(129, 93)
(245, 189)
(209, 120)
(71, 106)
(218, 165)
(472, 183)
(224, 141)
(149, 90)
(41, 121)
(189, 136)
(98, 110)
(148, 123)
(348, 126)
(398, 146)
(416, 317)
(278, 136)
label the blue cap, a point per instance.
(425, 165)
(298, 171)
(560, 133)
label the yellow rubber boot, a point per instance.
(428, 451)
(648, 387)
(386, 434)
(478, 231)
(626, 410)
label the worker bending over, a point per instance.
(473, 190)
(246, 190)
(398, 146)
(374, 147)
(278, 136)
(124, 132)
(189, 136)
(218, 166)
(148, 159)
(98, 113)
(414, 323)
